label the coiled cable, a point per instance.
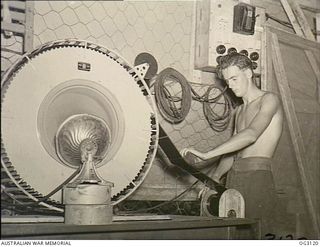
(168, 104)
(218, 122)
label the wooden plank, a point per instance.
(263, 64)
(60, 219)
(311, 135)
(5, 14)
(17, 4)
(308, 90)
(263, 52)
(301, 76)
(301, 72)
(318, 26)
(13, 27)
(292, 18)
(18, 16)
(270, 85)
(202, 34)
(310, 5)
(294, 128)
(311, 138)
(315, 67)
(295, 40)
(296, 94)
(31, 219)
(177, 222)
(148, 217)
(28, 37)
(301, 19)
(306, 106)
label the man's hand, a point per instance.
(191, 156)
(216, 178)
(187, 152)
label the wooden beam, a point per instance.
(9, 15)
(301, 19)
(294, 128)
(28, 37)
(6, 17)
(264, 74)
(294, 40)
(13, 27)
(310, 5)
(17, 4)
(313, 62)
(21, 17)
(318, 27)
(292, 17)
(306, 106)
(270, 85)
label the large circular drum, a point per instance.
(63, 79)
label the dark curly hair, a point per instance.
(234, 59)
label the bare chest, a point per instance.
(245, 115)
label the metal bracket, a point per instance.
(142, 69)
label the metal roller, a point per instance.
(60, 80)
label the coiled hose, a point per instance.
(218, 122)
(168, 103)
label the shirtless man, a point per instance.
(258, 127)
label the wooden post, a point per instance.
(294, 128)
(263, 63)
(5, 13)
(312, 60)
(301, 19)
(292, 18)
(28, 36)
(268, 73)
(318, 26)
(263, 60)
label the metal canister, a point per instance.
(88, 204)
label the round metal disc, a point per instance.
(149, 59)
(68, 80)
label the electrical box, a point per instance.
(215, 34)
(244, 18)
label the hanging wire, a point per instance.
(284, 23)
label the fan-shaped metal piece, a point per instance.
(78, 129)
